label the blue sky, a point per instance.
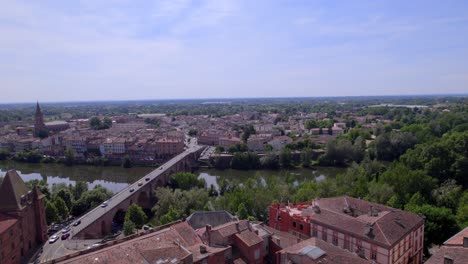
(121, 50)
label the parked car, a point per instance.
(77, 223)
(65, 236)
(53, 238)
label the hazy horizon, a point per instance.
(55, 51)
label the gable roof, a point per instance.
(214, 218)
(12, 189)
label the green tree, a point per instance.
(61, 207)
(171, 216)
(128, 227)
(69, 157)
(186, 181)
(4, 154)
(462, 211)
(270, 161)
(51, 212)
(219, 149)
(306, 158)
(95, 123)
(192, 132)
(440, 224)
(242, 212)
(79, 188)
(107, 123)
(126, 162)
(136, 215)
(285, 158)
(66, 195)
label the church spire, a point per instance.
(39, 121)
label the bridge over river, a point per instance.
(98, 222)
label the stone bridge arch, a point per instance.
(143, 200)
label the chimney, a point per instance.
(256, 231)
(465, 242)
(369, 213)
(208, 234)
(237, 225)
(203, 249)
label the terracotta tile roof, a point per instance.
(6, 222)
(280, 238)
(12, 189)
(457, 254)
(332, 254)
(187, 233)
(131, 251)
(457, 239)
(249, 238)
(173, 254)
(351, 215)
(198, 255)
(231, 228)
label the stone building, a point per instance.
(22, 219)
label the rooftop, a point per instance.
(12, 190)
(371, 221)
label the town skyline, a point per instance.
(225, 99)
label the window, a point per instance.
(324, 234)
(294, 224)
(358, 244)
(373, 252)
(314, 230)
(335, 238)
(346, 242)
(257, 254)
(301, 226)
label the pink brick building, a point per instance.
(373, 231)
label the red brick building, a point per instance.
(373, 231)
(22, 219)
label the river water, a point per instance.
(117, 178)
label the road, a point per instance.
(63, 247)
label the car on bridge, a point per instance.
(140, 183)
(131, 190)
(53, 238)
(104, 204)
(66, 230)
(77, 223)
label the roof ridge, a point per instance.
(383, 233)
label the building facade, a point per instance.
(373, 231)
(22, 219)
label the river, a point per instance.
(117, 178)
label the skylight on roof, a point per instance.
(312, 252)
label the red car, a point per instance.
(65, 236)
